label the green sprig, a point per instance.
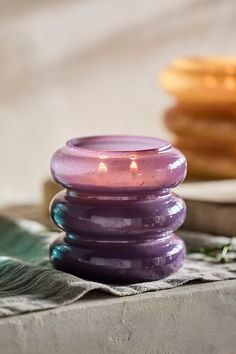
(222, 254)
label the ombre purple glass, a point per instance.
(118, 213)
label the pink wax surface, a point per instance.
(120, 143)
(105, 163)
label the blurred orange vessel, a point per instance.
(203, 118)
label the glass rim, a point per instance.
(90, 144)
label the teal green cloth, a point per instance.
(29, 283)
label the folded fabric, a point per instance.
(29, 283)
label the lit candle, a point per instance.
(102, 168)
(133, 167)
(108, 221)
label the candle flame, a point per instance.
(133, 167)
(102, 168)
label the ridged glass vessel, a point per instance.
(118, 212)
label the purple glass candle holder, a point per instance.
(118, 213)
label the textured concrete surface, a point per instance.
(199, 318)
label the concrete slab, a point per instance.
(198, 318)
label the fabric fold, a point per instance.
(29, 283)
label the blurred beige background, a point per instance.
(71, 68)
